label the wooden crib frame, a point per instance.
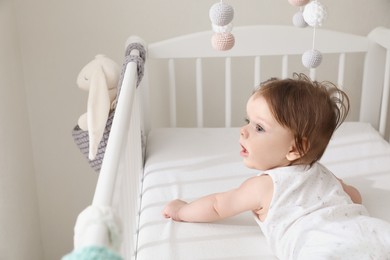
(120, 180)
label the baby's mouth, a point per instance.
(244, 151)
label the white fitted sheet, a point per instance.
(188, 163)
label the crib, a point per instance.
(176, 135)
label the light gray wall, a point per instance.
(19, 218)
(58, 38)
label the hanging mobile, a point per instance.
(314, 15)
(221, 16)
(298, 20)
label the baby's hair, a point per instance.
(311, 110)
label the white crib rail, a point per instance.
(118, 134)
(269, 40)
(255, 42)
(118, 185)
(377, 80)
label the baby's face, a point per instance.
(265, 143)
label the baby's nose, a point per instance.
(244, 132)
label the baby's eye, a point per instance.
(246, 120)
(259, 128)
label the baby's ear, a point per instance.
(293, 154)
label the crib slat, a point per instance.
(130, 184)
(136, 166)
(313, 74)
(385, 96)
(340, 80)
(228, 92)
(257, 71)
(285, 66)
(172, 92)
(199, 92)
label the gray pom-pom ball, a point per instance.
(312, 58)
(221, 14)
(298, 20)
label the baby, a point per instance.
(304, 211)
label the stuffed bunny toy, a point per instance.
(100, 77)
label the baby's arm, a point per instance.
(201, 210)
(352, 192)
(221, 205)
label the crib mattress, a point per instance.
(188, 163)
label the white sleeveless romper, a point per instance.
(311, 217)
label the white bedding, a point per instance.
(188, 163)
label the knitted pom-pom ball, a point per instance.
(298, 2)
(298, 20)
(222, 29)
(222, 41)
(315, 14)
(311, 58)
(221, 14)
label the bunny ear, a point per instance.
(97, 110)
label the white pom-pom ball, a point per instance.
(298, 2)
(222, 41)
(298, 20)
(315, 14)
(221, 14)
(311, 58)
(222, 29)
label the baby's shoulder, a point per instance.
(260, 183)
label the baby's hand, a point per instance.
(172, 209)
